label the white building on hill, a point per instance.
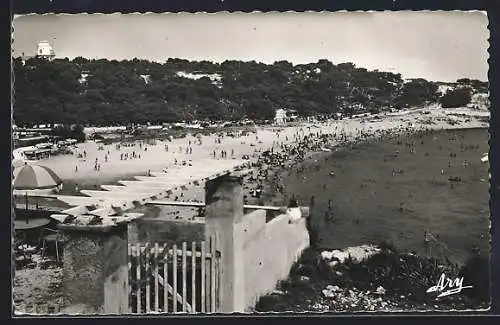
(45, 51)
(280, 117)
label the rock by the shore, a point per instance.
(356, 254)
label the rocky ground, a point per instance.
(37, 285)
(379, 279)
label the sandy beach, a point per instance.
(155, 158)
(79, 173)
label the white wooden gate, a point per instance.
(173, 279)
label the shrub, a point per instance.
(456, 98)
(476, 273)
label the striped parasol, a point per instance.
(35, 177)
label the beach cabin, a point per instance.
(23, 141)
(45, 51)
(37, 154)
(280, 117)
(31, 153)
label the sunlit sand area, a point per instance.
(157, 158)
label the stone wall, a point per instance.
(95, 270)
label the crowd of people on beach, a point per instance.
(118, 147)
(286, 151)
(282, 155)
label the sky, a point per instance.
(439, 46)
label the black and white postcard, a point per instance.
(184, 163)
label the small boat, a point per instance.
(484, 158)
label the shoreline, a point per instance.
(340, 147)
(269, 194)
(345, 217)
(322, 284)
(65, 166)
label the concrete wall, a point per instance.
(115, 274)
(169, 231)
(157, 227)
(269, 251)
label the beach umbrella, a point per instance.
(34, 177)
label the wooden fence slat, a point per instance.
(129, 261)
(148, 279)
(193, 277)
(212, 274)
(170, 251)
(184, 276)
(165, 283)
(138, 277)
(174, 278)
(150, 263)
(157, 291)
(177, 296)
(203, 263)
(208, 281)
(217, 279)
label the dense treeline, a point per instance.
(139, 91)
(69, 132)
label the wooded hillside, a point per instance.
(102, 92)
